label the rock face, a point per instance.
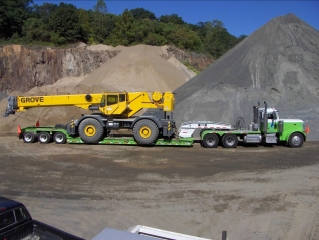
(198, 61)
(278, 63)
(22, 68)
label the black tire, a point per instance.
(91, 130)
(296, 140)
(59, 138)
(29, 137)
(145, 132)
(44, 137)
(210, 140)
(230, 140)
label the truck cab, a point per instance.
(15, 220)
(274, 129)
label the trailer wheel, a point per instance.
(44, 137)
(59, 138)
(210, 140)
(29, 137)
(145, 132)
(295, 140)
(230, 140)
(91, 130)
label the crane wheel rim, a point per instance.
(89, 130)
(28, 137)
(43, 138)
(59, 138)
(145, 132)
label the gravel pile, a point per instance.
(278, 63)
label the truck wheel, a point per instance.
(145, 132)
(210, 140)
(295, 140)
(59, 138)
(91, 130)
(29, 137)
(230, 140)
(44, 137)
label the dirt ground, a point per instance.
(265, 192)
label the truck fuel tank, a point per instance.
(252, 138)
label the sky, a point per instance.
(239, 17)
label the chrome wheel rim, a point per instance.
(296, 140)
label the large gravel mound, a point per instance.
(278, 63)
(137, 68)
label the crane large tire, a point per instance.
(59, 138)
(210, 140)
(44, 137)
(295, 140)
(230, 140)
(145, 132)
(91, 130)
(29, 137)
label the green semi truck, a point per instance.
(266, 127)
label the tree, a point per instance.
(123, 32)
(35, 30)
(84, 21)
(101, 21)
(12, 15)
(64, 22)
(100, 7)
(141, 13)
(173, 18)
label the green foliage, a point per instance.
(123, 32)
(12, 15)
(34, 29)
(64, 24)
(84, 22)
(100, 7)
(174, 18)
(141, 13)
(189, 66)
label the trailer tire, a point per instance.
(44, 137)
(29, 137)
(59, 138)
(145, 132)
(91, 130)
(295, 140)
(210, 140)
(230, 140)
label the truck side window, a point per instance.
(6, 219)
(270, 116)
(112, 99)
(21, 214)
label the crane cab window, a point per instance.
(122, 97)
(112, 99)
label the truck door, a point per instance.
(272, 122)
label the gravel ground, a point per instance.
(254, 192)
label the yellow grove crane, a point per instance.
(148, 117)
